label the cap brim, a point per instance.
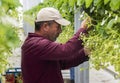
(63, 22)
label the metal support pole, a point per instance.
(82, 71)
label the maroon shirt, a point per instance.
(43, 60)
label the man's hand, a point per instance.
(87, 51)
(85, 23)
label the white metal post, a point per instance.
(81, 76)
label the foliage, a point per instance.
(67, 33)
(8, 35)
(104, 39)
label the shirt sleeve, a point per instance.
(79, 58)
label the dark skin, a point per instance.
(50, 32)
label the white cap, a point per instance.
(49, 13)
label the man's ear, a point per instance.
(45, 27)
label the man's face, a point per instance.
(54, 31)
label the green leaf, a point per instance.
(72, 2)
(80, 2)
(58, 5)
(88, 3)
(96, 2)
(115, 4)
(110, 23)
(106, 1)
(118, 20)
(5, 7)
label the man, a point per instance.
(42, 58)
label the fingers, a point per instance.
(86, 23)
(87, 51)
